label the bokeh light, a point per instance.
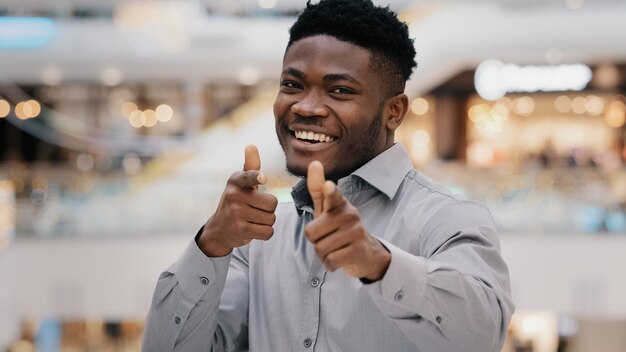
(578, 106)
(127, 108)
(164, 112)
(5, 108)
(420, 106)
(524, 106)
(136, 119)
(563, 104)
(616, 114)
(594, 105)
(149, 118)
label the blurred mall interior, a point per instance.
(121, 120)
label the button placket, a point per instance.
(310, 318)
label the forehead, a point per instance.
(327, 54)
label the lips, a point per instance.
(309, 140)
(313, 136)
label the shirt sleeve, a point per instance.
(455, 296)
(188, 297)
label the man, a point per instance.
(378, 258)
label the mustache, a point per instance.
(311, 121)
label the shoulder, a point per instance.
(440, 208)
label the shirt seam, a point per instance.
(413, 177)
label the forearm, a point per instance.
(434, 303)
(185, 305)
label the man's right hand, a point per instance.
(244, 212)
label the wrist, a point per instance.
(382, 261)
(211, 247)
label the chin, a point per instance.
(297, 169)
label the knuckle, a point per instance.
(350, 216)
(309, 231)
(272, 218)
(266, 233)
(234, 209)
(330, 261)
(250, 177)
(320, 250)
(241, 226)
(234, 177)
(356, 232)
(230, 193)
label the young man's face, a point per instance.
(330, 107)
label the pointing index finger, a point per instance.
(332, 196)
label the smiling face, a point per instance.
(331, 107)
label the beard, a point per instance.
(362, 149)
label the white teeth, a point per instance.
(312, 136)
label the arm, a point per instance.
(211, 276)
(452, 295)
(457, 295)
(191, 290)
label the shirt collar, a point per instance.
(384, 172)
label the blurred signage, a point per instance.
(26, 32)
(493, 78)
(7, 214)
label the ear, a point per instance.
(395, 111)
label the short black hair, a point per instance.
(361, 23)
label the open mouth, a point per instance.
(312, 137)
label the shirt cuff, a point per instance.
(197, 273)
(404, 283)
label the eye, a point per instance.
(291, 85)
(342, 90)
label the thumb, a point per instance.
(252, 162)
(315, 184)
(252, 159)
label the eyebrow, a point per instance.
(331, 77)
(340, 77)
(292, 71)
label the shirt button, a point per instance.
(204, 280)
(438, 319)
(307, 342)
(315, 282)
(177, 320)
(398, 296)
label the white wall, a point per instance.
(580, 275)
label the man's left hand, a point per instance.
(339, 237)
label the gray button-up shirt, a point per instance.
(446, 288)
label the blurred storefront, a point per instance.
(556, 157)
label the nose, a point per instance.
(310, 105)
